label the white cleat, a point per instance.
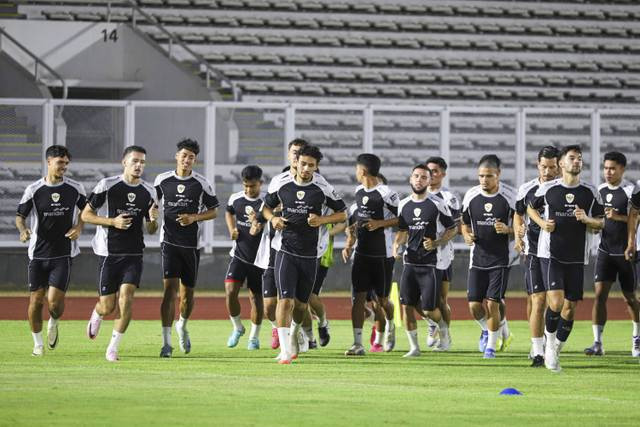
(52, 335)
(444, 344)
(551, 361)
(432, 336)
(38, 350)
(303, 343)
(412, 353)
(184, 341)
(635, 346)
(390, 339)
(355, 350)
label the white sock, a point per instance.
(52, 322)
(115, 341)
(444, 329)
(551, 337)
(389, 326)
(308, 332)
(237, 323)
(283, 336)
(378, 339)
(636, 329)
(95, 314)
(273, 324)
(504, 328)
(322, 320)
(184, 321)
(493, 338)
(430, 322)
(37, 338)
(560, 344)
(413, 340)
(357, 336)
(597, 332)
(483, 324)
(166, 335)
(255, 331)
(538, 346)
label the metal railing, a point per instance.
(38, 62)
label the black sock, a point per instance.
(564, 329)
(551, 320)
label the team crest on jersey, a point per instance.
(180, 188)
(55, 197)
(131, 197)
(248, 210)
(300, 195)
(570, 197)
(609, 197)
(488, 207)
(365, 199)
(416, 212)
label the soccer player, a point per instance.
(425, 224)
(240, 208)
(187, 199)
(615, 193)
(571, 209)
(526, 242)
(487, 212)
(117, 206)
(267, 255)
(300, 239)
(372, 215)
(438, 167)
(53, 205)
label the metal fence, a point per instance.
(234, 134)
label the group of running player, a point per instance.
(283, 246)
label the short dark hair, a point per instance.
(132, 149)
(568, 148)
(57, 151)
(548, 152)
(421, 166)
(490, 161)
(382, 178)
(311, 151)
(251, 173)
(617, 157)
(370, 162)
(298, 142)
(189, 144)
(438, 161)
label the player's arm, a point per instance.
(338, 228)
(632, 227)
(230, 220)
(545, 225)
(518, 231)
(401, 238)
(594, 223)
(75, 231)
(189, 218)
(121, 222)
(374, 224)
(21, 225)
(467, 234)
(449, 234)
(352, 237)
(152, 220)
(318, 220)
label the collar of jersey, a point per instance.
(183, 178)
(369, 190)
(421, 200)
(127, 184)
(44, 181)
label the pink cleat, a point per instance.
(275, 341)
(93, 327)
(376, 348)
(112, 356)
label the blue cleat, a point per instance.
(235, 337)
(489, 353)
(254, 344)
(482, 342)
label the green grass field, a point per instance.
(214, 385)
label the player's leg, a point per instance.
(236, 275)
(497, 279)
(269, 293)
(36, 301)
(477, 285)
(387, 305)
(361, 283)
(307, 273)
(109, 275)
(170, 288)
(125, 303)
(254, 283)
(318, 309)
(598, 317)
(505, 336)
(188, 277)
(430, 283)
(59, 278)
(627, 279)
(286, 275)
(409, 300)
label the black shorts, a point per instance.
(55, 272)
(447, 274)
(487, 284)
(269, 288)
(533, 275)
(609, 268)
(179, 262)
(370, 273)
(320, 276)
(420, 284)
(295, 276)
(239, 271)
(114, 270)
(568, 277)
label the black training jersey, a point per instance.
(52, 211)
(425, 218)
(378, 203)
(112, 197)
(298, 201)
(613, 240)
(526, 193)
(183, 195)
(241, 206)
(453, 203)
(481, 211)
(568, 242)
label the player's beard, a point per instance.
(418, 192)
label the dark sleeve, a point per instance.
(447, 221)
(158, 192)
(272, 200)
(466, 218)
(597, 209)
(402, 224)
(210, 201)
(635, 199)
(96, 200)
(521, 207)
(146, 212)
(537, 202)
(24, 208)
(392, 209)
(81, 202)
(336, 204)
(230, 209)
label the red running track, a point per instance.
(210, 308)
